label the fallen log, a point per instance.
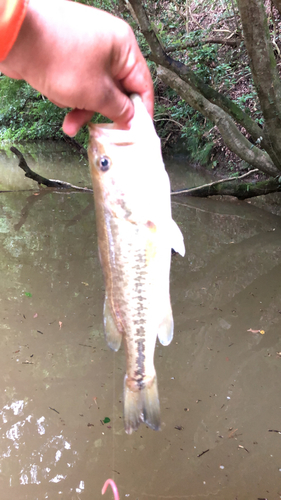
(232, 186)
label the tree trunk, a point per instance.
(159, 56)
(264, 70)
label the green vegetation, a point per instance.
(26, 114)
(204, 94)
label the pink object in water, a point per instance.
(113, 486)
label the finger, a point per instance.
(117, 107)
(74, 120)
(122, 112)
(137, 79)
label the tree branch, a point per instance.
(232, 42)
(232, 137)
(159, 56)
(43, 180)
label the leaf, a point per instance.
(28, 294)
(106, 420)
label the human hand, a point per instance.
(83, 58)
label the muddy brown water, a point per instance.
(219, 383)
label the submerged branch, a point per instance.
(43, 180)
(215, 183)
(242, 191)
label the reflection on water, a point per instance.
(219, 382)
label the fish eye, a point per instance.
(104, 163)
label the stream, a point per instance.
(61, 413)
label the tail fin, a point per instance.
(141, 405)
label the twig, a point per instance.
(187, 13)
(179, 10)
(225, 41)
(232, 433)
(203, 452)
(169, 120)
(274, 31)
(54, 409)
(229, 179)
(235, 16)
(243, 448)
(239, 79)
(43, 180)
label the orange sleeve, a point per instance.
(12, 13)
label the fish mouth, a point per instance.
(107, 133)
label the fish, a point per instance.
(135, 235)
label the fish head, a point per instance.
(127, 166)
(110, 155)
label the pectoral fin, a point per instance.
(177, 242)
(112, 335)
(166, 328)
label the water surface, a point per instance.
(219, 383)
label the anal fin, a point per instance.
(112, 335)
(166, 328)
(177, 241)
(141, 405)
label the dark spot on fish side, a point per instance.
(122, 204)
(140, 363)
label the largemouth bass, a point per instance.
(135, 236)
